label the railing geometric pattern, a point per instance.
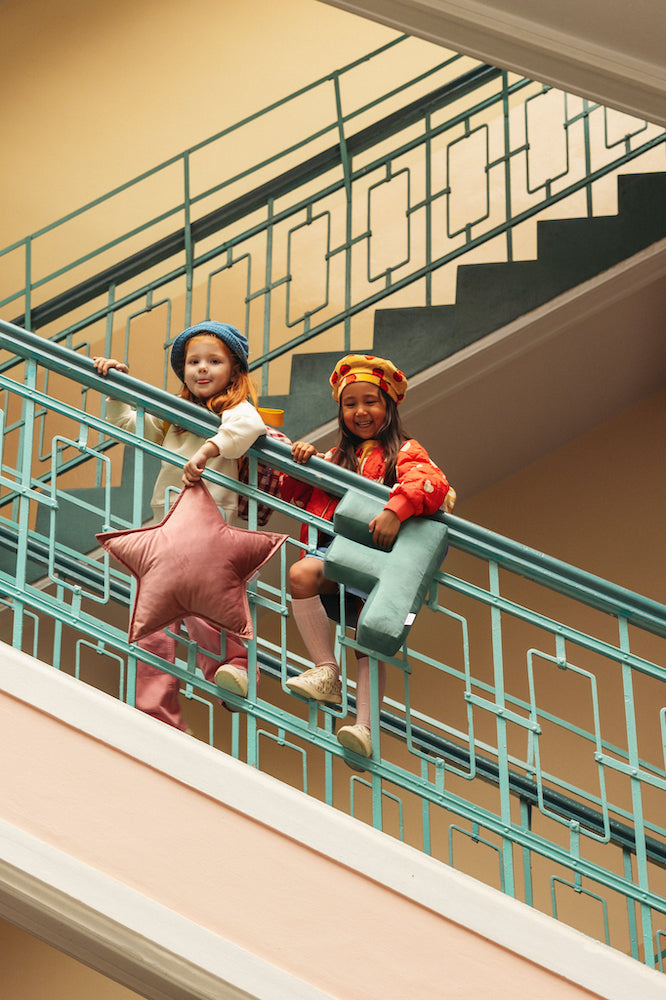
(523, 738)
(309, 214)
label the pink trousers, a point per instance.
(157, 692)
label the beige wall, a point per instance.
(99, 94)
(597, 502)
(31, 969)
(97, 97)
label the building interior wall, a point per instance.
(163, 77)
(101, 94)
(31, 968)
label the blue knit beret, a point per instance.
(229, 335)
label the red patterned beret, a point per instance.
(368, 368)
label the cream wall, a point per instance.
(101, 93)
(32, 969)
(597, 502)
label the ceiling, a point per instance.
(613, 53)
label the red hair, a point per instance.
(240, 388)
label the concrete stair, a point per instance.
(488, 297)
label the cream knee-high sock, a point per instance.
(313, 624)
(363, 689)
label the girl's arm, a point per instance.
(293, 490)
(302, 452)
(420, 489)
(194, 467)
(121, 414)
(104, 365)
(384, 528)
(421, 485)
(240, 426)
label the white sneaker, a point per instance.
(232, 679)
(356, 738)
(319, 684)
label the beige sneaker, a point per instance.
(356, 738)
(232, 679)
(319, 684)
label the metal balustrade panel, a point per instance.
(523, 734)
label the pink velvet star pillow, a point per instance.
(191, 563)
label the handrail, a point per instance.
(434, 745)
(529, 563)
(469, 537)
(487, 770)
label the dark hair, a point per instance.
(391, 437)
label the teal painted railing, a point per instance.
(522, 739)
(309, 214)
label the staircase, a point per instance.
(489, 296)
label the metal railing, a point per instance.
(318, 208)
(521, 739)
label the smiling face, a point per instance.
(363, 409)
(209, 366)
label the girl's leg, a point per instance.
(357, 737)
(228, 671)
(156, 691)
(321, 682)
(363, 689)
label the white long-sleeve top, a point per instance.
(239, 428)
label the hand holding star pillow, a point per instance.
(191, 563)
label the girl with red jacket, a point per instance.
(372, 443)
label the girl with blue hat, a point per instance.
(211, 359)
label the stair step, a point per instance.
(643, 195)
(416, 337)
(590, 246)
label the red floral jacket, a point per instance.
(421, 486)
